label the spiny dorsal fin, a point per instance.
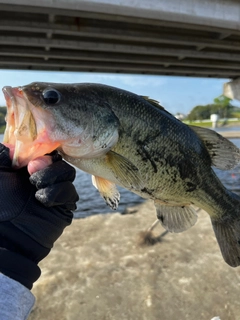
(107, 190)
(155, 103)
(224, 154)
(175, 218)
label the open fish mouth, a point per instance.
(23, 130)
(20, 125)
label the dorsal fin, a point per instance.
(155, 103)
(224, 154)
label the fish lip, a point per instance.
(17, 108)
(11, 94)
(9, 97)
(7, 91)
(10, 116)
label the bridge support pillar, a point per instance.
(232, 89)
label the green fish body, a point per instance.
(129, 140)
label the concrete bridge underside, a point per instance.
(176, 37)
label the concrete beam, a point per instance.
(218, 13)
(121, 48)
(117, 34)
(118, 67)
(117, 58)
(117, 18)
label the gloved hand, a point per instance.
(34, 210)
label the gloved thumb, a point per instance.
(5, 160)
(60, 194)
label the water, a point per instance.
(91, 203)
(227, 129)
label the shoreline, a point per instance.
(229, 134)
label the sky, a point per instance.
(176, 94)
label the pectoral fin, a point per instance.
(108, 191)
(224, 154)
(175, 218)
(124, 171)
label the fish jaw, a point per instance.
(27, 128)
(25, 152)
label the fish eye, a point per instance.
(51, 96)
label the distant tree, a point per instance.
(225, 108)
(2, 118)
(3, 111)
(221, 106)
(199, 113)
(222, 100)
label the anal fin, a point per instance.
(176, 218)
(107, 190)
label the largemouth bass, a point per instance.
(129, 140)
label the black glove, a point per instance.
(34, 210)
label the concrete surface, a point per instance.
(98, 270)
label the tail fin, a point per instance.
(227, 232)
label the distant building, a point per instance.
(214, 118)
(180, 116)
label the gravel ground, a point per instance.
(98, 270)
